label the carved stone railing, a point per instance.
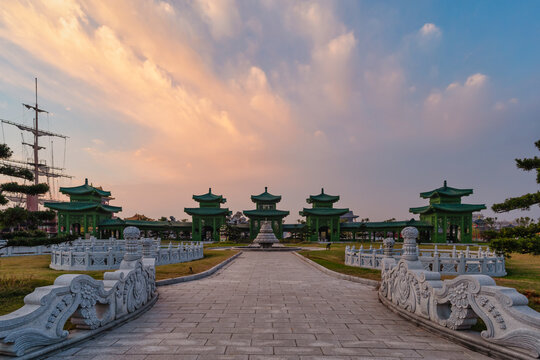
(446, 262)
(407, 287)
(107, 254)
(25, 250)
(88, 303)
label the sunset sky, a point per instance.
(376, 101)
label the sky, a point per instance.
(376, 101)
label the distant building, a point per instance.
(348, 217)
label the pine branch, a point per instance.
(18, 173)
(25, 189)
(5, 151)
(528, 164)
(522, 202)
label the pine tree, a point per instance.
(17, 217)
(523, 202)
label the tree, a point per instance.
(17, 217)
(163, 218)
(523, 202)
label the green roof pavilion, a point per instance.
(451, 220)
(265, 210)
(208, 217)
(88, 206)
(322, 218)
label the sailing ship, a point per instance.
(38, 166)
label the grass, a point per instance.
(20, 275)
(523, 270)
(211, 259)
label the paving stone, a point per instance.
(268, 306)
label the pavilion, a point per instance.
(265, 210)
(88, 206)
(208, 217)
(322, 218)
(450, 219)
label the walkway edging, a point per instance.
(198, 276)
(335, 274)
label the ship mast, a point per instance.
(32, 201)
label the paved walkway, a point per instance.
(268, 306)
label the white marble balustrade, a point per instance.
(107, 254)
(444, 261)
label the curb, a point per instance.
(198, 276)
(356, 279)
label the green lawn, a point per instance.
(523, 270)
(20, 275)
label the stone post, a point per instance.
(409, 243)
(388, 247)
(131, 235)
(147, 247)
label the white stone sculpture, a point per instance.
(458, 303)
(89, 303)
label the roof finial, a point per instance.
(210, 190)
(86, 181)
(444, 183)
(266, 189)
(322, 190)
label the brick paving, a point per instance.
(268, 306)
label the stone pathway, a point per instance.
(268, 306)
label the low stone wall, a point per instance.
(408, 288)
(91, 305)
(446, 262)
(95, 254)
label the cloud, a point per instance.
(429, 30)
(458, 108)
(221, 16)
(428, 35)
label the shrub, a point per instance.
(526, 245)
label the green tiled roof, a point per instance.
(322, 197)
(207, 211)
(446, 191)
(447, 207)
(84, 190)
(266, 197)
(81, 206)
(323, 211)
(249, 213)
(146, 224)
(209, 197)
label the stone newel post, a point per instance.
(147, 247)
(388, 247)
(131, 235)
(409, 243)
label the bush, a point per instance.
(36, 241)
(506, 246)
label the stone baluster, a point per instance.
(110, 256)
(436, 260)
(461, 263)
(454, 252)
(468, 252)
